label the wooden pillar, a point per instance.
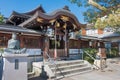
(21, 41)
(46, 47)
(66, 42)
(67, 47)
(81, 49)
(55, 50)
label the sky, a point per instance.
(22, 6)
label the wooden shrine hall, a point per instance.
(39, 30)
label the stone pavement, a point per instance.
(112, 72)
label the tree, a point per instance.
(101, 12)
(1, 18)
(111, 20)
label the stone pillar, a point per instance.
(14, 67)
(100, 59)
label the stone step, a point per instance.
(69, 68)
(72, 71)
(65, 68)
(61, 68)
(72, 74)
(67, 63)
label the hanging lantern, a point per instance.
(90, 43)
(57, 24)
(98, 44)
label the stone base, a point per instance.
(14, 67)
(100, 63)
(97, 63)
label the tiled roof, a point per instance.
(107, 35)
(9, 28)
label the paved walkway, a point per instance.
(112, 72)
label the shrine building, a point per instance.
(51, 33)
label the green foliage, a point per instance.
(57, 44)
(1, 50)
(92, 13)
(80, 2)
(78, 34)
(100, 24)
(73, 1)
(111, 20)
(1, 19)
(114, 19)
(114, 52)
(92, 52)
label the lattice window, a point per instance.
(30, 42)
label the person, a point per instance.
(14, 45)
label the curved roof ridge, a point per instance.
(60, 12)
(30, 19)
(32, 12)
(53, 15)
(17, 13)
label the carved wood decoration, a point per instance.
(40, 20)
(65, 18)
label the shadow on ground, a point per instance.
(43, 76)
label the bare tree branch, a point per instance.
(93, 3)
